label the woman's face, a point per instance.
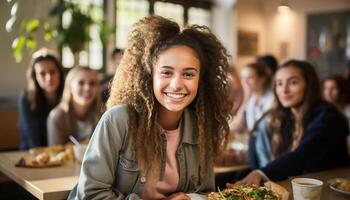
(290, 87)
(330, 91)
(84, 88)
(47, 75)
(250, 80)
(176, 78)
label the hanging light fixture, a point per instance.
(283, 7)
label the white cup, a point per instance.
(79, 151)
(307, 189)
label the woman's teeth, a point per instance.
(175, 95)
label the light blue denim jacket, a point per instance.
(109, 169)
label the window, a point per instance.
(171, 11)
(128, 12)
(199, 16)
(92, 53)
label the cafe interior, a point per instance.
(86, 40)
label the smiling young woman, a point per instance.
(166, 119)
(78, 112)
(302, 131)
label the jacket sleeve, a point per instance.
(55, 128)
(99, 166)
(259, 151)
(28, 126)
(323, 146)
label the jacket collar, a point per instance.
(189, 128)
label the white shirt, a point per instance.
(255, 109)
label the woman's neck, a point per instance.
(258, 94)
(80, 111)
(51, 97)
(169, 120)
(297, 112)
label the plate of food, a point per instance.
(270, 191)
(341, 185)
(40, 157)
(41, 160)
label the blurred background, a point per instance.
(85, 32)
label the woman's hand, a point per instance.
(178, 196)
(253, 177)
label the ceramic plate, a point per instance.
(334, 185)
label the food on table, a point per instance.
(250, 192)
(47, 156)
(41, 160)
(342, 184)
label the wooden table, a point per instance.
(327, 193)
(227, 169)
(44, 183)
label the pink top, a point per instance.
(155, 189)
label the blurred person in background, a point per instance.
(303, 134)
(116, 56)
(258, 97)
(79, 110)
(270, 62)
(45, 81)
(335, 91)
(236, 93)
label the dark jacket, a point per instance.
(32, 124)
(322, 146)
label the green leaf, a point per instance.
(22, 26)
(17, 48)
(32, 25)
(18, 56)
(46, 26)
(31, 43)
(18, 43)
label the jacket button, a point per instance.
(143, 179)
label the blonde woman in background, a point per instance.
(78, 112)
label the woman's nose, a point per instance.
(176, 83)
(285, 88)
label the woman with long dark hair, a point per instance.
(336, 91)
(303, 134)
(45, 80)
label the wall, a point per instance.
(250, 17)
(12, 74)
(275, 28)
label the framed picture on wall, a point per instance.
(247, 43)
(328, 41)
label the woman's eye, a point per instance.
(188, 75)
(294, 82)
(81, 83)
(165, 73)
(278, 83)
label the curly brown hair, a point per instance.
(132, 85)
